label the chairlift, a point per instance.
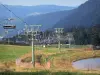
(9, 26)
(10, 19)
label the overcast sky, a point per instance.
(43, 2)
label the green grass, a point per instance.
(11, 52)
(67, 46)
(46, 73)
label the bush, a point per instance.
(27, 59)
(43, 60)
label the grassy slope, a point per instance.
(9, 52)
(47, 73)
(60, 59)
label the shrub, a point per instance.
(43, 60)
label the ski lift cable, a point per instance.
(13, 13)
(15, 16)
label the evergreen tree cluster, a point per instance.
(84, 36)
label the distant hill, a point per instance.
(47, 20)
(23, 11)
(46, 15)
(86, 15)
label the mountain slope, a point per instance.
(47, 20)
(85, 15)
(31, 14)
(23, 11)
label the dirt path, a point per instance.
(30, 65)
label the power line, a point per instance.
(13, 13)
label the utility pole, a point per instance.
(33, 30)
(58, 32)
(70, 39)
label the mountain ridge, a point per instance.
(23, 11)
(85, 15)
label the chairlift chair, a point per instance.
(9, 26)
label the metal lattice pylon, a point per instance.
(32, 30)
(58, 32)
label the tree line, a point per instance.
(81, 35)
(84, 36)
